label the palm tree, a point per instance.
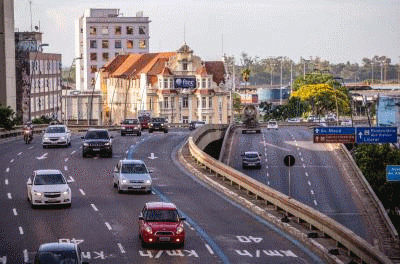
(245, 76)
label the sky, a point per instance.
(334, 30)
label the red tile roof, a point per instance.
(217, 69)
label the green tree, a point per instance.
(246, 76)
(7, 117)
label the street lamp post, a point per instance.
(31, 77)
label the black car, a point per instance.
(158, 123)
(195, 124)
(97, 141)
(59, 253)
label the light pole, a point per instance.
(280, 89)
(31, 77)
(69, 76)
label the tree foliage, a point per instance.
(7, 117)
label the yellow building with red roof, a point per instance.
(178, 86)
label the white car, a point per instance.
(294, 120)
(272, 124)
(56, 135)
(132, 175)
(48, 187)
(346, 123)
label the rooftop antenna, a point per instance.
(30, 11)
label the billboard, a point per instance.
(185, 82)
(249, 98)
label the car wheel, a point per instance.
(115, 185)
(84, 155)
(119, 189)
(68, 205)
(44, 146)
(122, 134)
(139, 134)
(165, 131)
(149, 191)
(110, 154)
(150, 131)
(69, 143)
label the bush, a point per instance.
(7, 117)
(42, 120)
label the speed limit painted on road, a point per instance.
(289, 160)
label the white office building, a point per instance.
(102, 34)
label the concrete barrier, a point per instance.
(347, 238)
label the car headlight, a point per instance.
(122, 128)
(37, 193)
(86, 144)
(148, 230)
(151, 124)
(123, 180)
(107, 144)
(45, 138)
(148, 181)
(67, 191)
(179, 229)
(63, 138)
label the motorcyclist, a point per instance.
(29, 127)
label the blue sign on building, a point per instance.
(185, 82)
(393, 173)
(376, 135)
(334, 130)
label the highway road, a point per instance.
(316, 179)
(104, 223)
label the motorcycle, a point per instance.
(28, 136)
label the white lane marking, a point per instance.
(6, 181)
(108, 226)
(307, 174)
(266, 166)
(299, 153)
(266, 160)
(267, 174)
(65, 168)
(9, 196)
(127, 152)
(315, 202)
(271, 145)
(309, 183)
(73, 152)
(66, 159)
(30, 147)
(11, 161)
(94, 207)
(21, 231)
(26, 256)
(82, 192)
(15, 211)
(121, 248)
(8, 170)
(71, 179)
(209, 249)
(268, 183)
(312, 192)
(304, 165)
(186, 223)
(302, 159)
(19, 154)
(44, 156)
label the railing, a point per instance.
(348, 239)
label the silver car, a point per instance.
(132, 175)
(48, 187)
(56, 135)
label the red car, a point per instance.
(144, 121)
(131, 126)
(160, 222)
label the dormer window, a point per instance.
(165, 83)
(203, 83)
(184, 65)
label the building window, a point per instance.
(129, 44)
(166, 102)
(142, 44)
(203, 102)
(203, 83)
(117, 30)
(92, 81)
(142, 30)
(184, 65)
(104, 44)
(204, 118)
(93, 31)
(210, 102)
(129, 30)
(118, 44)
(104, 30)
(105, 56)
(93, 56)
(93, 44)
(165, 83)
(93, 68)
(185, 119)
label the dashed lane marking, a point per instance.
(307, 174)
(6, 181)
(71, 179)
(15, 211)
(315, 202)
(121, 248)
(94, 207)
(302, 160)
(26, 255)
(31, 147)
(11, 161)
(108, 226)
(8, 170)
(73, 152)
(19, 154)
(21, 231)
(66, 159)
(82, 192)
(9, 196)
(309, 183)
(65, 168)
(209, 249)
(312, 192)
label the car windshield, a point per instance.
(133, 168)
(251, 156)
(96, 135)
(144, 118)
(162, 216)
(273, 123)
(130, 122)
(49, 179)
(57, 257)
(158, 120)
(55, 130)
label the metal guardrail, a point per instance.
(347, 238)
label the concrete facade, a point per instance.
(7, 55)
(102, 34)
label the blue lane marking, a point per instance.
(199, 230)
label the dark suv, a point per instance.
(97, 141)
(158, 123)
